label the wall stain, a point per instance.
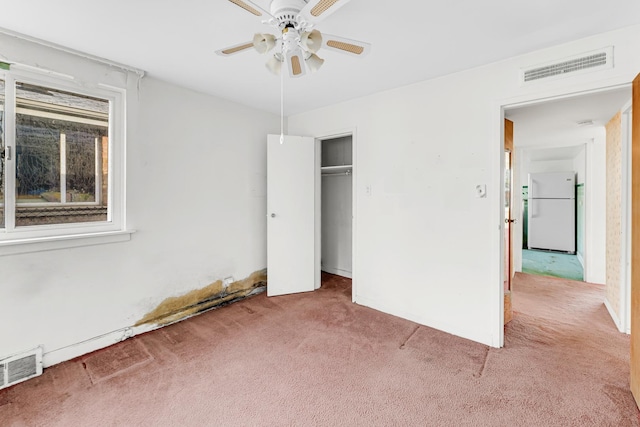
(174, 309)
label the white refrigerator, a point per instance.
(552, 211)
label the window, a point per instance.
(61, 141)
(58, 172)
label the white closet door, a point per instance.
(293, 243)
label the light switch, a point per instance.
(481, 190)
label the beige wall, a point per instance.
(614, 193)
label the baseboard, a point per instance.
(72, 351)
(338, 272)
(614, 316)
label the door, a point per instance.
(635, 242)
(293, 244)
(508, 220)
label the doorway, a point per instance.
(544, 146)
(337, 206)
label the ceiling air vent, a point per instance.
(20, 367)
(586, 62)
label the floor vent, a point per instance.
(20, 367)
(590, 61)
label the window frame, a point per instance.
(10, 236)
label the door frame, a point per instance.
(625, 208)
(500, 106)
(323, 136)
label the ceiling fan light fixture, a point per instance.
(293, 40)
(263, 43)
(274, 64)
(314, 62)
(311, 40)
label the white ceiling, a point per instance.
(413, 40)
(552, 154)
(554, 123)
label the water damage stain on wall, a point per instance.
(174, 309)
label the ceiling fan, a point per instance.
(297, 41)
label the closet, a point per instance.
(337, 205)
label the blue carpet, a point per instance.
(552, 264)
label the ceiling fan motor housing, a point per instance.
(287, 11)
(290, 39)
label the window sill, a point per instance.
(39, 244)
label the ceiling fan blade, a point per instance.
(251, 7)
(317, 10)
(231, 50)
(343, 45)
(295, 63)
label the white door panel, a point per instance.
(292, 215)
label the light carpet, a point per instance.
(318, 359)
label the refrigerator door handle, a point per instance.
(532, 210)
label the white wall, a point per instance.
(595, 186)
(542, 166)
(580, 165)
(196, 168)
(427, 248)
(337, 216)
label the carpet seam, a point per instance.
(484, 363)
(409, 337)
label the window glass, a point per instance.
(61, 156)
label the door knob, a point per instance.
(273, 215)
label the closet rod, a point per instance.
(347, 173)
